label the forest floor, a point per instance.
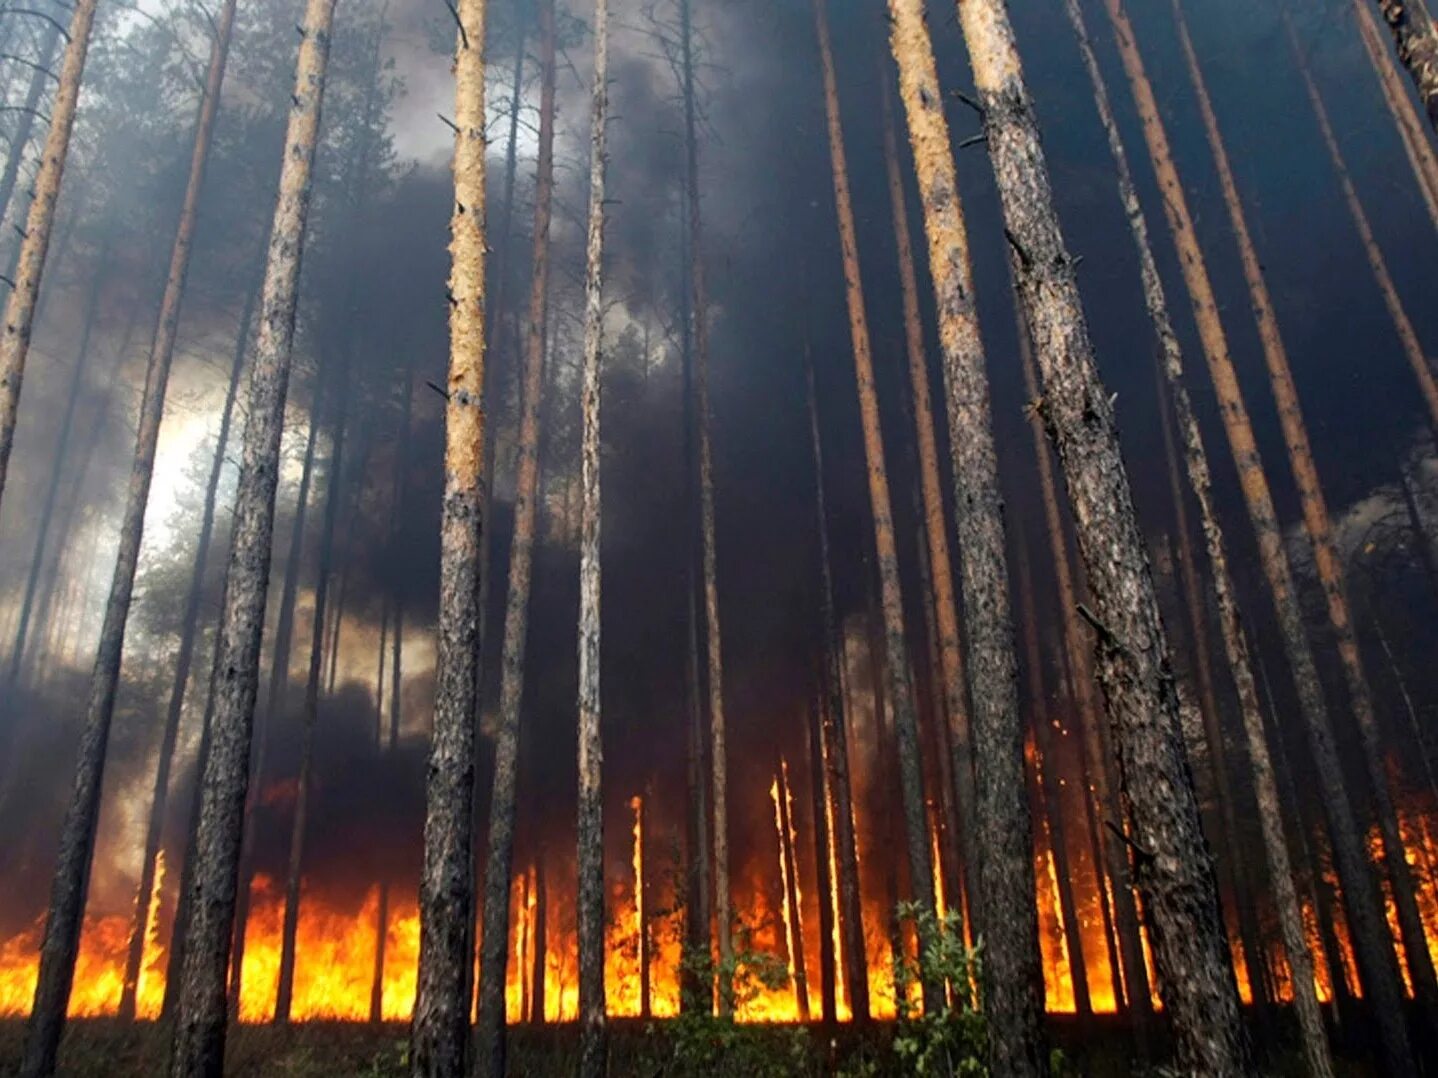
(102, 1048)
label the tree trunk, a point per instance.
(935, 525)
(1004, 862)
(590, 860)
(1173, 866)
(824, 878)
(540, 944)
(199, 1042)
(52, 489)
(1050, 789)
(1235, 865)
(853, 970)
(20, 142)
(20, 306)
(899, 684)
(1360, 893)
(77, 837)
(641, 902)
(1407, 336)
(787, 843)
(189, 629)
(494, 939)
(1320, 532)
(1416, 37)
(381, 920)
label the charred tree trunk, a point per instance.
(381, 919)
(1173, 868)
(20, 306)
(183, 660)
(77, 837)
(853, 970)
(788, 841)
(1316, 523)
(199, 1042)
(935, 525)
(494, 943)
(1416, 37)
(1013, 981)
(1374, 949)
(823, 877)
(592, 1036)
(900, 686)
(440, 1030)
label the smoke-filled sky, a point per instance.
(373, 319)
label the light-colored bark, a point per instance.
(1173, 868)
(200, 1021)
(1316, 522)
(77, 837)
(940, 599)
(898, 683)
(1371, 943)
(20, 305)
(499, 860)
(440, 1028)
(1417, 144)
(592, 1037)
(1416, 37)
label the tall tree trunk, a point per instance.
(20, 305)
(1014, 980)
(200, 1021)
(713, 634)
(381, 920)
(819, 807)
(1173, 866)
(1102, 786)
(494, 939)
(159, 797)
(941, 599)
(853, 970)
(1417, 146)
(77, 837)
(1416, 37)
(278, 683)
(52, 489)
(539, 950)
(1407, 336)
(787, 842)
(1235, 865)
(1326, 560)
(899, 684)
(1051, 788)
(34, 94)
(590, 859)
(1374, 949)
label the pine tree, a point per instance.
(1173, 869)
(1416, 36)
(199, 1042)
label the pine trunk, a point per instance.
(440, 1029)
(1371, 943)
(77, 836)
(34, 94)
(895, 644)
(494, 938)
(1173, 867)
(592, 1036)
(853, 969)
(199, 1042)
(1416, 37)
(1316, 523)
(20, 306)
(819, 807)
(787, 844)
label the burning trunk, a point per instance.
(1173, 869)
(899, 685)
(1361, 897)
(955, 710)
(852, 969)
(440, 1030)
(499, 862)
(1320, 532)
(20, 307)
(1416, 37)
(789, 864)
(199, 1042)
(592, 1038)
(819, 807)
